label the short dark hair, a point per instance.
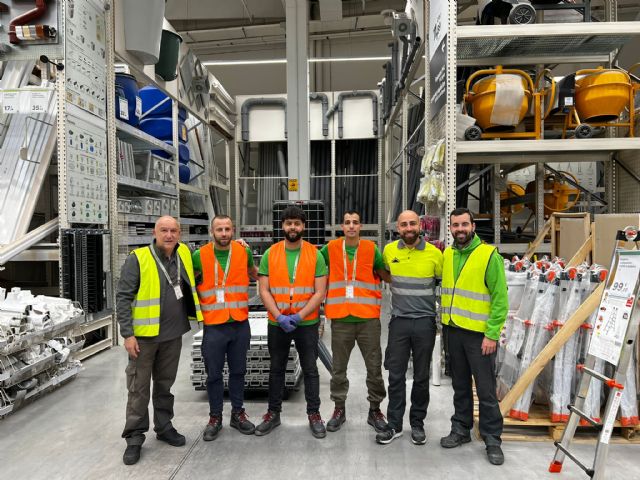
(293, 213)
(461, 211)
(351, 212)
(221, 217)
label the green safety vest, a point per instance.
(146, 306)
(467, 301)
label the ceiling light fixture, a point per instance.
(283, 60)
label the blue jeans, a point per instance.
(230, 341)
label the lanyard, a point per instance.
(164, 270)
(344, 258)
(226, 268)
(295, 271)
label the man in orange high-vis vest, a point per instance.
(353, 305)
(223, 268)
(292, 286)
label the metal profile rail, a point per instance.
(11, 250)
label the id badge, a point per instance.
(220, 295)
(349, 292)
(178, 291)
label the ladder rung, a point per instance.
(588, 471)
(586, 417)
(610, 382)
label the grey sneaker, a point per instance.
(388, 435)
(418, 437)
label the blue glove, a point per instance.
(295, 319)
(285, 323)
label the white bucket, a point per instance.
(143, 28)
(462, 123)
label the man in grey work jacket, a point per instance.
(156, 296)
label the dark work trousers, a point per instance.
(409, 336)
(344, 336)
(467, 361)
(157, 361)
(306, 342)
(231, 341)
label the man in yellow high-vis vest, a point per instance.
(474, 308)
(156, 297)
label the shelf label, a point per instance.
(138, 107)
(10, 102)
(39, 101)
(293, 184)
(124, 108)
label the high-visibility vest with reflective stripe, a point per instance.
(304, 286)
(146, 305)
(367, 295)
(236, 289)
(467, 301)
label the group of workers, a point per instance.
(163, 285)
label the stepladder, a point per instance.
(613, 341)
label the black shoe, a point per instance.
(388, 435)
(131, 454)
(270, 420)
(213, 428)
(172, 437)
(376, 420)
(317, 425)
(454, 440)
(240, 422)
(337, 419)
(495, 455)
(418, 437)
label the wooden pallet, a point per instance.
(540, 428)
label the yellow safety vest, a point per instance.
(467, 301)
(146, 306)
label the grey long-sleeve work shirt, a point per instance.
(174, 313)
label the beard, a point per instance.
(222, 242)
(409, 237)
(293, 236)
(463, 238)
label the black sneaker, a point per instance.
(418, 437)
(337, 419)
(376, 420)
(131, 454)
(454, 440)
(495, 455)
(270, 420)
(388, 435)
(213, 428)
(172, 437)
(317, 425)
(240, 422)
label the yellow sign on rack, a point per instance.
(293, 184)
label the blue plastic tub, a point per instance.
(184, 154)
(184, 173)
(126, 84)
(152, 96)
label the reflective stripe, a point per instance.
(207, 307)
(137, 322)
(357, 284)
(286, 290)
(467, 314)
(411, 291)
(212, 292)
(467, 294)
(279, 290)
(413, 280)
(154, 302)
(283, 305)
(358, 300)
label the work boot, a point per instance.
(270, 420)
(131, 454)
(240, 422)
(337, 419)
(172, 437)
(376, 420)
(454, 440)
(213, 428)
(317, 425)
(388, 435)
(418, 437)
(495, 455)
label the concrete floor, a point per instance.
(75, 433)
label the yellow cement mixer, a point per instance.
(559, 195)
(499, 102)
(602, 95)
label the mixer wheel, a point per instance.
(473, 133)
(522, 15)
(583, 131)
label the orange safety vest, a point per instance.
(367, 295)
(290, 298)
(236, 287)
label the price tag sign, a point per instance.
(138, 107)
(124, 108)
(39, 101)
(293, 184)
(10, 102)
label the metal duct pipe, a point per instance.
(264, 102)
(355, 94)
(282, 170)
(10, 250)
(315, 96)
(407, 66)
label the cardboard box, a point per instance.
(605, 228)
(569, 234)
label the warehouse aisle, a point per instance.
(75, 433)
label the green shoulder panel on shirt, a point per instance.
(263, 268)
(378, 261)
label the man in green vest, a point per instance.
(156, 297)
(474, 308)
